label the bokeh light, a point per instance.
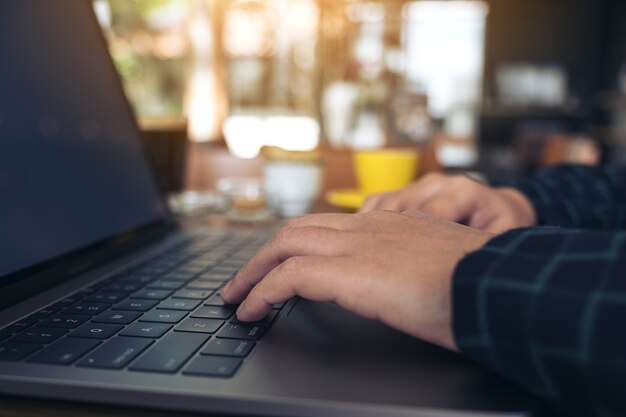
(49, 126)
(89, 129)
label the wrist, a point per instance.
(472, 242)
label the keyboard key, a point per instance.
(124, 287)
(165, 264)
(43, 313)
(117, 317)
(139, 278)
(179, 276)
(179, 256)
(204, 285)
(178, 304)
(192, 294)
(96, 331)
(64, 321)
(135, 305)
(199, 326)
(14, 351)
(170, 353)
(214, 366)
(228, 347)
(116, 353)
(163, 316)
(18, 326)
(233, 263)
(215, 312)
(38, 335)
(228, 271)
(151, 271)
(215, 276)
(4, 336)
(65, 302)
(87, 291)
(216, 300)
(242, 331)
(88, 309)
(152, 330)
(198, 265)
(192, 269)
(267, 320)
(64, 351)
(106, 297)
(279, 306)
(165, 285)
(152, 294)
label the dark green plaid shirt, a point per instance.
(546, 307)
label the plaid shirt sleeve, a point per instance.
(578, 196)
(546, 308)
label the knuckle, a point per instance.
(290, 268)
(292, 223)
(315, 233)
(385, 214)
(464, 187)
(281, 236)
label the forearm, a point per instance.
(546, 308)
(578, 196)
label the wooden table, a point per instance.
(208, 163)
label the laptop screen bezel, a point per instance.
(20, 285)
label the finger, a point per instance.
(372, 202)
(408, 197)
(499, 225)
(394, 202)
(420, 215)
(484, 218)
(336, 221)
(287, 243)
(428, 186)
(412, 197)
(447, 207)
(312, 277)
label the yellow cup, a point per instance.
(383, 170)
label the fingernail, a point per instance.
(241, 307)
(227, 286)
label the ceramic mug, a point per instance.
(384, 170)
(293, 180)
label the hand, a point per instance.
(393, 267)
(462, 200)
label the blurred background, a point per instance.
(499, 87)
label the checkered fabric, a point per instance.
(546, 307)
(577, 196)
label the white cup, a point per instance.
(293, 186)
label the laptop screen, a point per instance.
(72, 170)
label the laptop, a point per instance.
(106, 298)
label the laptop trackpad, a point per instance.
(319, 350)
(325, 327)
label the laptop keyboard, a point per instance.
(163, 315)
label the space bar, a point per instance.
(170, 353)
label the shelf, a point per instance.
(499, 110)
